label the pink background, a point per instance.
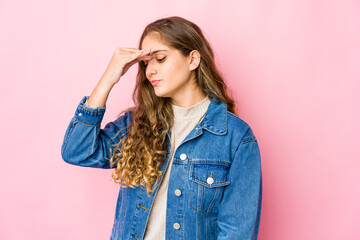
(292, 66)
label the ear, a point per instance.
(194, 59)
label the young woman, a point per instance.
(187, 166)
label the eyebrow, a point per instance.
(156, 51)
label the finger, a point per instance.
(136, 50)
(142, 54)
(131, 49)
(137, 58)
(132, 62)
(145, 57)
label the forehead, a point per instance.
(154, 42)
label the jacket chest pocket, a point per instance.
(207, 183)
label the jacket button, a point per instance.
(177, 192)
(183, 156)
(80, 114)
(210, 180)
(176, 226)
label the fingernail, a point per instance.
(148, 50)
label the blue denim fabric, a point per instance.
(217, 169)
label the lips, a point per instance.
(155, 82)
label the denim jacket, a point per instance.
(215, 185)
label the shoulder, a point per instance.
(125, 117)
(239, 128)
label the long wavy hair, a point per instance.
(144, 145)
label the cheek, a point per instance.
(176, 69)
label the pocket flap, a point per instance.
(210, 175)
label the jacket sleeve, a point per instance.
(239, 212)
(85, 144)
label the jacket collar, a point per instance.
(215, 119)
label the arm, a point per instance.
(239, 212)
(85, 144)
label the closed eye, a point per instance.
(159, 60)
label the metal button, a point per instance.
(210, 180)
(176, 226)
(183, 156)
(80, 114)
(177, 192)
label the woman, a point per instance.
(187, 166)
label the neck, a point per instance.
(188, 101)
(189, 97)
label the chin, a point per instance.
(162, 94)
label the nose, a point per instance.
(150, 70)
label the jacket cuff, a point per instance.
(87, 115)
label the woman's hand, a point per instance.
(121, 61)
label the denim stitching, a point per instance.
(124, 212)
(201, 189)
(218, 184)
(250, 140)
(209, 162)
(68, 136)
(99, 111)
(214, 199)
(89, 124)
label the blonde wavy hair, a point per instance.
(144, 145)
